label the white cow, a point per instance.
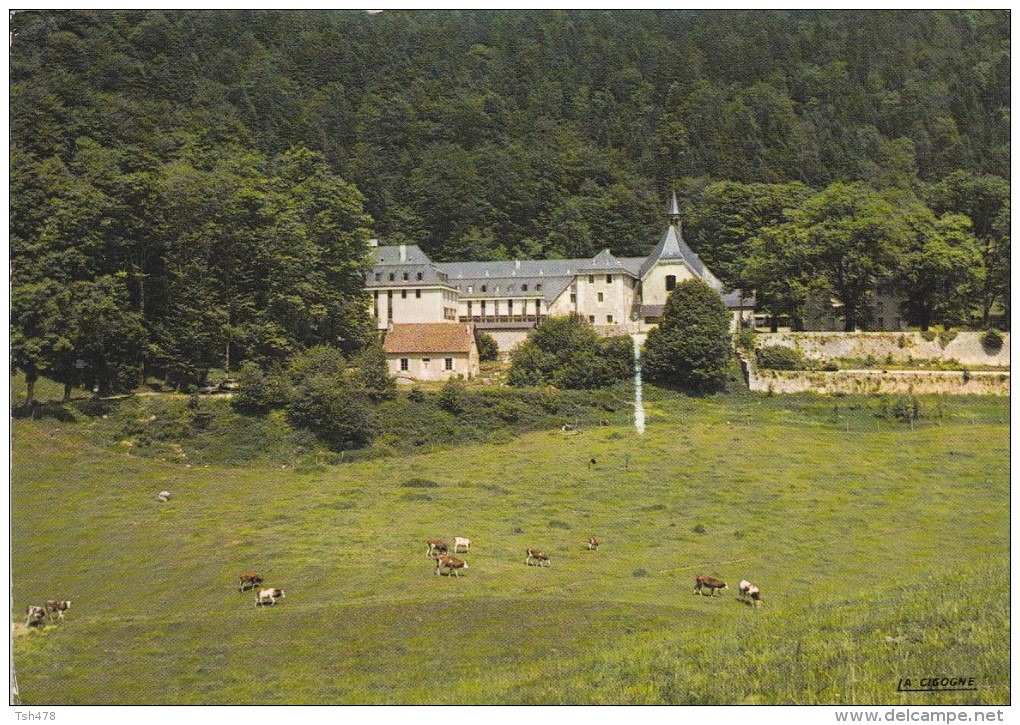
(749, 593)
(268, 596)
(459, 541)
(164, 496)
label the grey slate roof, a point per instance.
(604, 261)
(672, 247)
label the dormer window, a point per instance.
(419, 276)
(378, 276)
(609, 279)
(405, 276)
(391, 277)
(524, 288)
(538, 287)
(485, 288)
(591, 279)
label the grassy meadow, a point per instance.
(881, 550)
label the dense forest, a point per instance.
(194, 189)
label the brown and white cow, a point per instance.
(536, 555)
(593, 543)
(268, 596)
(459, 541)
(706, 582)
(57, 606)
(35, 616)
(435, 546)
(249, 580)
(451, 563)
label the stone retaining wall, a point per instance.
(965, 347)
(868, 382)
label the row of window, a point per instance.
(609, 319)
(425, 361)
(591, 279)
(510, 288)
(495, 308)
(406, 276)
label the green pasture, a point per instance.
(881, 551)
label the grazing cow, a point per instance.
(749, 593)
(536, 555)
(593, 543)
(35, 617)
(164, 496)
(57, 606)
(435, 546)
(250, 580)
(459, 541)
(707, 582)
(754, 595)
(451, 563)
(268, 596)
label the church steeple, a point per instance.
(674, 212)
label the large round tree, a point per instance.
(690, 348)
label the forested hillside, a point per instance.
(188, 187)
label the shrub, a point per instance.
(946, 337)
(334, 412)
(261, 391)
(744, 340)
(567, 353)
(929, 335)
(451, 396)
(487, 347)
(991, 341)
(907, 408)
(901, 341)
(777, 357)
(373, 374)
(690, 348)
(416, 395)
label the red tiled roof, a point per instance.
(433, 337)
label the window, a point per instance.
(483, 308)
(417, 293)
(538, 307)
(602, 297)
(378, 276)
(449, 363)
(405, 276)
(419, 276)
(510, 307)
(591, 319)
(524, 288)
(469, 308)
(485, 288)
(538, 287)
(591, 279)
(471, 288)
(391, 277)
(670, 282)
(609, 319)
(573, 297)
(403, 294)
(609, 279)
(404, 362)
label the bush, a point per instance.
(744, 340)
(901, 341)
(416, 395)
(336, 413)
(907, 408)
(373, 374)
(929, 335)
(991, 341)
(487, 347)
(690, 348)
(777, 357)
(260, 391)
(567, 353)
(451, 396)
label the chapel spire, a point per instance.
(674, 211)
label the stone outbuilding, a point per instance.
(431, 350)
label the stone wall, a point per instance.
(869, 382)
(965, 347)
